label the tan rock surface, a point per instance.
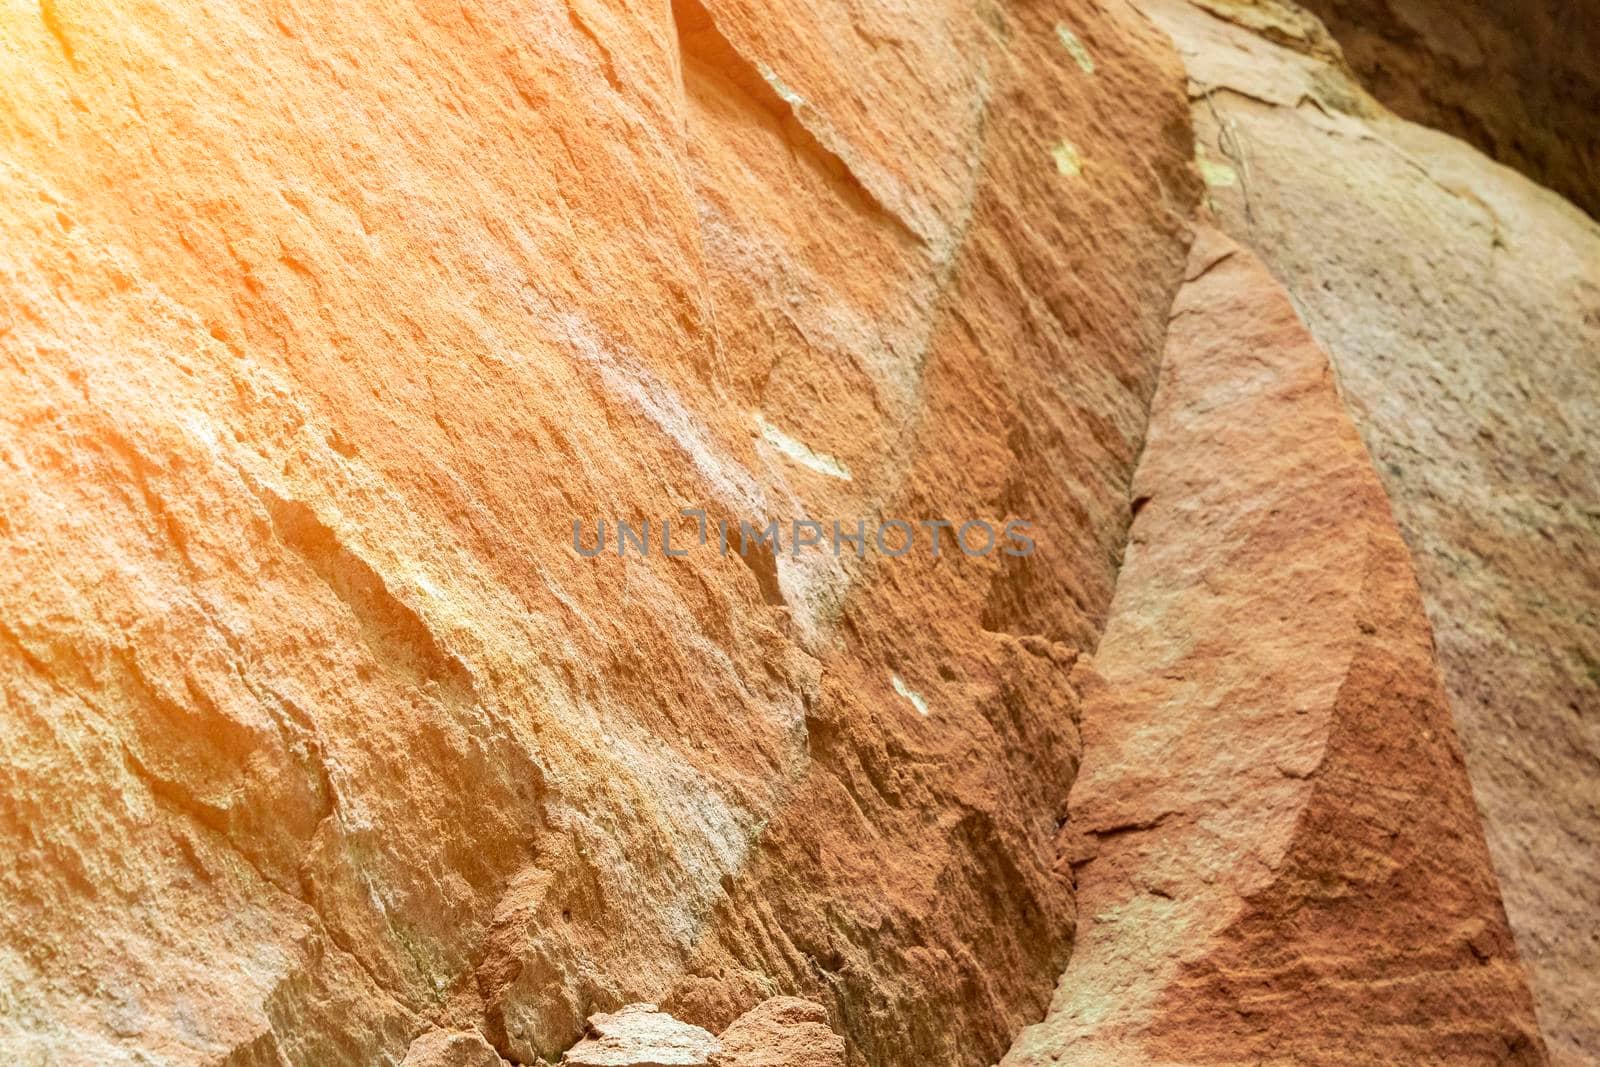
(451, 1048)
(778, 1032)
(323, 323)
(1277, 855)
(1460, 306)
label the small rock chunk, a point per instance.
(641, 1035)
(781, 1032)
(451, 1048)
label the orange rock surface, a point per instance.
(327, 329)
(324, 323)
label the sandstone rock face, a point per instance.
(778, 1032)
(331, 334)
(1516, 78)
(322, 326)
(1277, 854)
(1460, 307)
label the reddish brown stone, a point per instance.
(1276, 850)
(781, 1032)
(1459, 304)
(321, 744)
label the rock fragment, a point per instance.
(781, 1032)
(451, 1048)
(642, 1035)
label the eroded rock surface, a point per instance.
(322, 326)
(451, 1048)
(778, 1032)
(322, 743)
(1459, 304)
(1276, 849)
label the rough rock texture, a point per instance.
(1277, 855)
(1460, 307)
(641, 1035)
(1519, 79)
(321, 326)
(781, 1032)
(778, 1032)
(324, 326)
(451, 1048)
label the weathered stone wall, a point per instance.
(1273, 836)
(322, 744)
(323, 323)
